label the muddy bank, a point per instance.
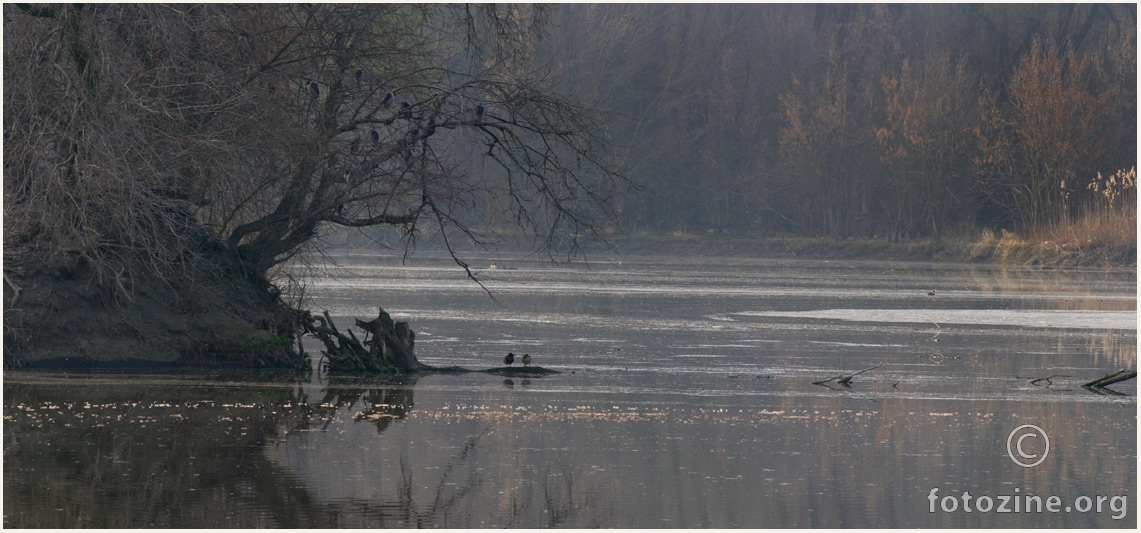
(67, 319)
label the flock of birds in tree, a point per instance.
(511, 359)
(415, 135)
(389, 99)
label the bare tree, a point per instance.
(263, 122)
(149, 140)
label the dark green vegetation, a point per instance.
(166, 166)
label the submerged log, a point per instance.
(388, 346)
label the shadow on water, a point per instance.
(119, 453)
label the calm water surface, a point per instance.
(685, 400)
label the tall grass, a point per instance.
(1103, 232)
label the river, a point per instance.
(686, 398)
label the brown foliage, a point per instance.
(1036, 145)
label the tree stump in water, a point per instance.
(387, 347)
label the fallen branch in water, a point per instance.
(1047, 380)
(1110, 379)
(844, 379)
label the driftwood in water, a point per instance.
(387, 346)
(1049, 380)
(1109, 379)
(845, 379)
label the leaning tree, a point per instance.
(175, 143)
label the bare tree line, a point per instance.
(897, 121)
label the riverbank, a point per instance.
(1006, 248)
(214, 317)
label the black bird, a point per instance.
(408, 158)
(479, 110)
(340, 209)
(315, 89)
(405, 110)
(375, 136)
(360, 75)
(509, 359)
(526, 359)
(388, 98)
(416, 134)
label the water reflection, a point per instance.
(686, 400)
(98, 454)
(377, 400)
(142, 452)
(133, 452)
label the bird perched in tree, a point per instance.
(417, 134)
(526, 359)
(405, 110)
(388, 98)
(509, 359)
(360, 75)
(408, 158)
(479, 110)
(272, 89)
(315, 89)
(375, 136)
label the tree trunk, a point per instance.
(388, 346)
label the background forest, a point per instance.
(889, 122)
